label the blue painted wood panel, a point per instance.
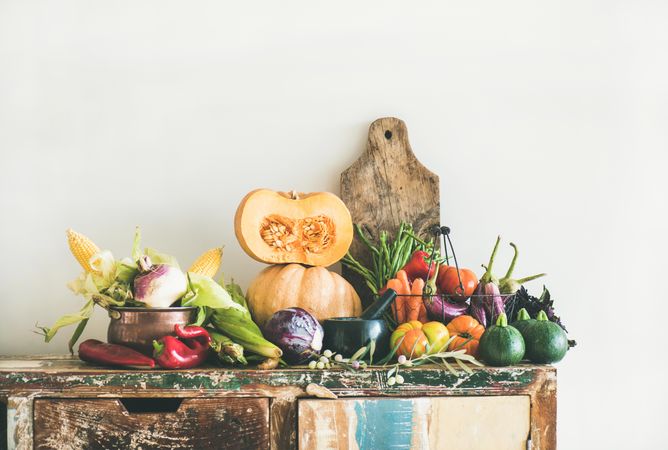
(443, 423)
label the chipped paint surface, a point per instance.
(19, 423)
(384, 423)
(423, 423)
(235, 380)
(21, 364)
(23, 379)
(198, 423)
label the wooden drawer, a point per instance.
(149, 423)
(436, 423)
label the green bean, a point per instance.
(388, 256)
(398, 238)
(396, 260)
(385, 251)
(352, 263)
(364, 273)
(373, 288)
(366, 241)
(369, 278)
(417, 239)
(376, 270)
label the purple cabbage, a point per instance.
(296, 332)
(533, 305)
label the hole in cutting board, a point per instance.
(151, 405)
(388, 134)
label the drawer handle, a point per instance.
(151, 405)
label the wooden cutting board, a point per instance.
(387, 185)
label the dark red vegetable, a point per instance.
(99, 352)
(192, 332)
(189, 349)
(418, 266)
(443, 310)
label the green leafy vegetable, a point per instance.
(68, 319)
(161, 258)
(236, 293)
(136, 246)
(206, 292)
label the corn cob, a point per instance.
(208, 263)
(227, 350)
(82, 248)
(239, 326)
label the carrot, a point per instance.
(406, 285)
(403, 289)
(405, 292)
(415, 300)
(422, 316)
(399, 301)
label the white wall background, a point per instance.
(547, 122)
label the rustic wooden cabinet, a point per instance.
(62, 403)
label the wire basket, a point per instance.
(440, 308)
(433, 306)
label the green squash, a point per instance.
(501, 344)
(546, 342)
(523, 322)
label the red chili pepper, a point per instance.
(192, 332)
(418, 266)
(189, 349)
(99, 352)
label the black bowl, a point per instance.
(346, 335)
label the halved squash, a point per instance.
(279, 227)
(323, 293)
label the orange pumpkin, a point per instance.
(278, 228)
(466, 332)
(323, 293)
(416, 337)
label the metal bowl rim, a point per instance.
(350, 320)
(143, 309)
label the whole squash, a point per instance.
(323, 293)
(280, 227)
(546, 341)
(523, 323)
(501, 344)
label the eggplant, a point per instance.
(296, 332)
(441, 309)
(478, 310)
(508, 285)
(487, 302)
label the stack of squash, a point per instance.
(300, 235)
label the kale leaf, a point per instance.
(533, 305)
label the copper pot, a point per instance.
(138, 327)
